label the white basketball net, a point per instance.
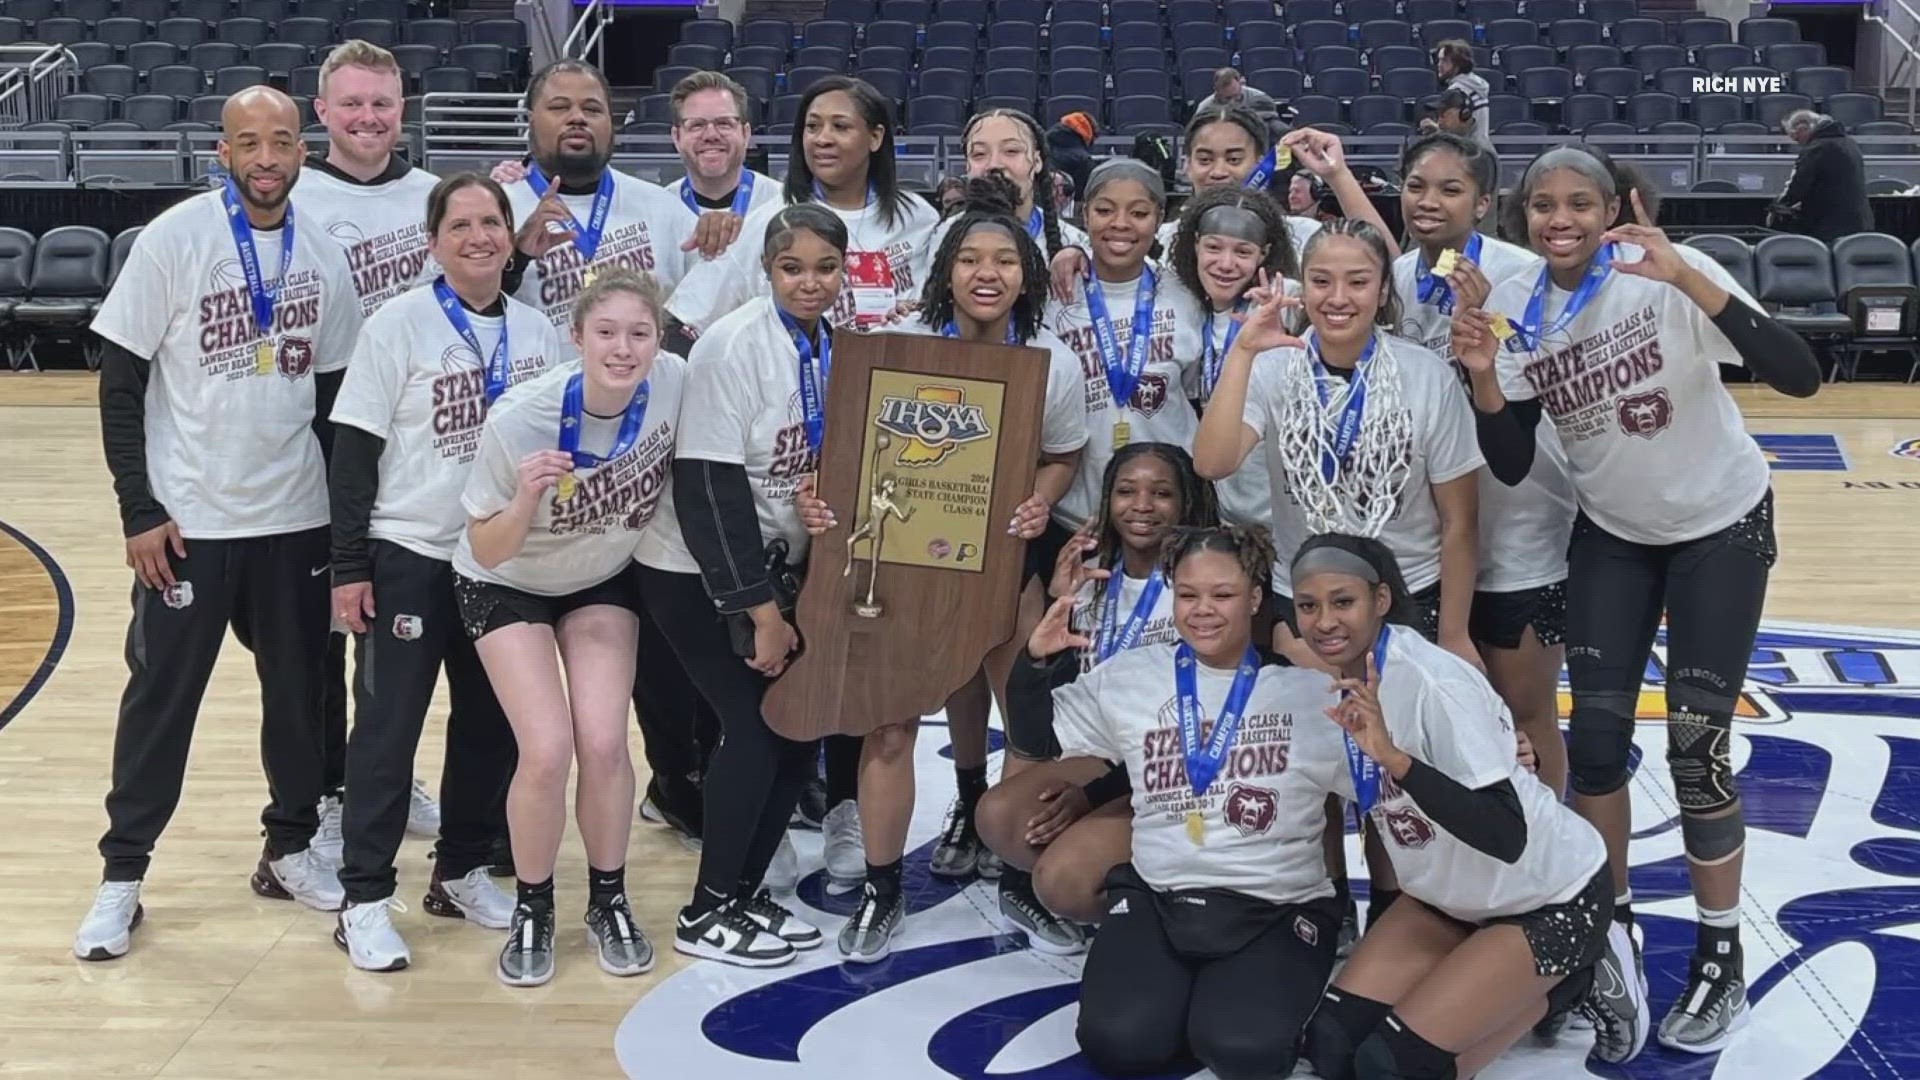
(1364, 491)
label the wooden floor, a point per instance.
(222, 984)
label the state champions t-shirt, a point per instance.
(1657, 449)
(381, 226)
(230, 447)
(646, 226)
(1524, 527)
(416, 383)
(590, 537)
(1063, 423)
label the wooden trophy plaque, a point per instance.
(931, 444)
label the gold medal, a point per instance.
(1196, 828)
(563, 492)
(263, 358)
(1502, 326)
(587, 276)
(1282, 157)
(1121, 434)
(1445, 264)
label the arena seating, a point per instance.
(1354, 67)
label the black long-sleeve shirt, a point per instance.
(123, 435)
(1487, 819)
(714, 502)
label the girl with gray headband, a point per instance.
(1619, 339)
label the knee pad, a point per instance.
(1599, 740)
(1711, 841)
(1339, 1025)
(1394, 1052)
(1700, 749)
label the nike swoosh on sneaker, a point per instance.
(317, 571)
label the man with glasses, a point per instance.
(711, 131)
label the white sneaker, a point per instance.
(329, 845)
(366, 932)
(846, 848)
(783, 874)
(474, 898)
(423, 814)
(301, 876)
(107, 931)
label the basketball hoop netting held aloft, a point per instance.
(1362, 493)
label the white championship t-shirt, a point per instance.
(1443, 712)
(1262, 814)
(1063, 426)
(875, 251)
(382, 227)
(230, 446)
(765, 190)
(646, 225)
(591, 537)
(1656, 446)
(416, 384)
(1089, 615)
(1444, 447)
(1523, 528)
(1159, 410)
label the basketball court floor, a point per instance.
(223, 984)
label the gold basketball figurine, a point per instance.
(880, 506)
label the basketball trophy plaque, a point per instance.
(931, 444)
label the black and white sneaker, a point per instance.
(728, 934)
(868, 936)
(622, 948)
(1046, 932)
(1710, 1010)
(957, 855)
(811, 810)
(527, 957)
(1617, 1004)
(775, 919)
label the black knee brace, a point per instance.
(1394, 1052)
(1599, 739)
(1340, 1023)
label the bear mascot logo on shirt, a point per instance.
(1251, 810)
(1646, 415)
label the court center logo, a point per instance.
(1827, 752)
(934, 422)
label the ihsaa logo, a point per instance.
(935, 421)
(1827, 749)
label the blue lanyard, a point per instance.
(813, 379)
(1431, 289)
(1036, 224)
(499, 365)
(1204, 760)
(1528, 335)
(573, 407)
(1210, 361)
(952, 331)
(263, 294)
(1123, 373)
(1261, 178)
(1348, 432)
(586, 238)
(1115, 638)
(1366, 771)
(742, 195)
(820, 195)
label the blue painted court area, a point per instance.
(1803, 453)
(1828, 753)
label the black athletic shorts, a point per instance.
(1499, 620)
(1567, 939)
(486, 607)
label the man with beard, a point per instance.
(711, 132)
(229, 307)
(372, 203)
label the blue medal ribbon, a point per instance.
(1210, 361)
(586, 238)
(813, 378)
(952, 331)
(1261, 178)
(1431, 289)
(500, 364)
(1123, 372)
(742, 195)
(1036, 224)
(1528, 334)
(820, 194)
(1204, 759)
(1115, 638)
(1347, 433)
(264, 294)
(573, 407)
(1366, 771)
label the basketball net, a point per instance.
(1364, 492)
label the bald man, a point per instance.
(227, 314)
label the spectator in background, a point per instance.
(1829, 164)
(1453, 62)
(1230, 88)
(1070, 148)
(1065, 201)
(950, 195)
(1460, 112)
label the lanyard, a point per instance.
(820, 195)
(1036, 224)
(1347, 431)
(1204, 760)
(813, 378)
(263, 294)
(497, 367)
(1261, 178)
(1211, 361)
(573, 407)
(1123, 373)
(1118, 639)
(586, 238)
(1528, 335)
(1432, 289)
(952, 331)
(742, 195)
(1366, 771)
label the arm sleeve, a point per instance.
(1507, 439)
(353, 483)
(1776, 355)
(714, 503)
(326, 391)
(1487, 819)
(123, 434)
(1108, 786)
